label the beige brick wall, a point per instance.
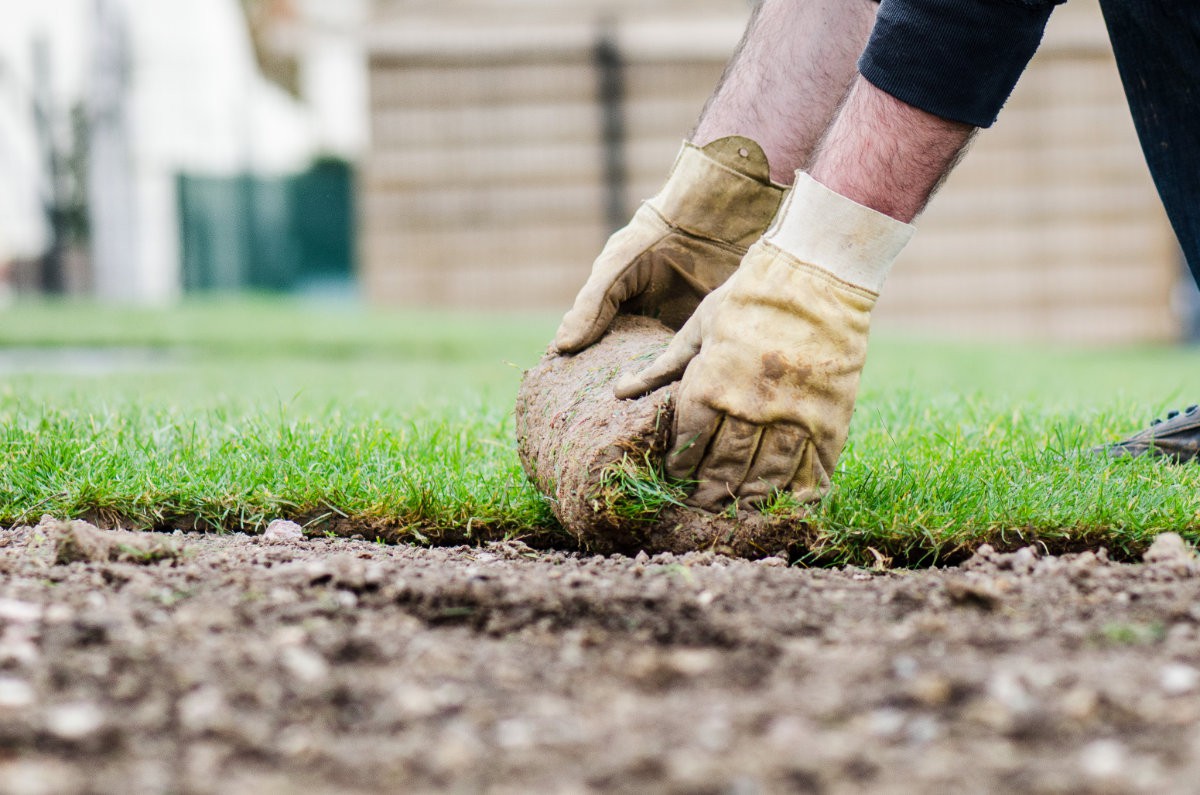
(484, 182)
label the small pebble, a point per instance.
(1008, 690)
(691, 662)
(1103, 759)
(923, 729)
(303, 664)
(885, 722)
(283, 530)
(1175, 679)
(201, 710)
(931, 690)
(1168, 548)
(1024, 560)
(75, 721)
(18, 612)
(18, 647)
(514, 733)
(1080, 703)
(904, 667)
(15, 693)
(39, 777)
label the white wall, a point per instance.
(333, 73)
(60, 23)
(194, 102)
(198, 104)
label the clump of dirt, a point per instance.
(580, 446)
(334, 665)
(76, 540)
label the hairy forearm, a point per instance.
(885, 154)
(784, 84)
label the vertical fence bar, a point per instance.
(54, 200)
(610, 75)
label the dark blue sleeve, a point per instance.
(957, 59)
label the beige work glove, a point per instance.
(681, 244)
(771, 361)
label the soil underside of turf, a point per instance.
(574, 435)
(235, 664)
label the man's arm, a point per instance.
(886, 154)
(779, 91)
(788, 77)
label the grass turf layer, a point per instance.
(399, 426)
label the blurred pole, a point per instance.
(1185, 301)
(110, 173)
(610, 76)
(54, 198)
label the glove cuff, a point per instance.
(721, 191)
(825, 229)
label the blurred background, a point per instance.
(475, 154)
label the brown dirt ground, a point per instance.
(232, 664)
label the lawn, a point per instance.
(224, 415)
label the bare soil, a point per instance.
(237, 664)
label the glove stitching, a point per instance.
(696, 235)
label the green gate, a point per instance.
(292, 233)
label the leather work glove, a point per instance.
(771, 361)
(680, 244)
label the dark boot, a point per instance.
(1177, 437)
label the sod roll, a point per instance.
(582, 447)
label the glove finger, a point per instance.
(726, 462)
(775, 465)
(614, 280)
(669, 365)
(695, 424)
(810, 482)
(710, 496)
(592, 313)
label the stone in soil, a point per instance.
(283, 530)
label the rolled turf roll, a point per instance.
(587, 451)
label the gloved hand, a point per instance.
(771, 361)
(680, 244)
